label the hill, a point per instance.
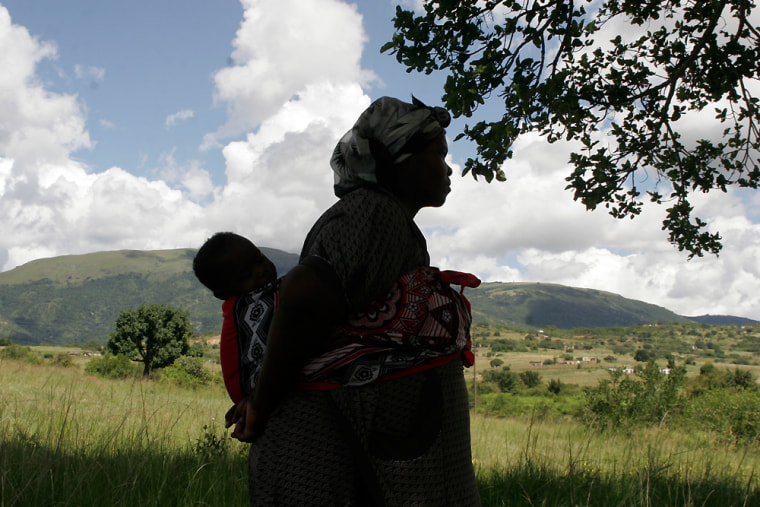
(76, 298)
(541, 304)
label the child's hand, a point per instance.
(243, 416)
(228, 416)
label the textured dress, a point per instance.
(410, 435)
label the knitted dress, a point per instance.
(409, 435)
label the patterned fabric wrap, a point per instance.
(253, 315)
(422, 323)
(391, 122)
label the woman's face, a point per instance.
(424, 178)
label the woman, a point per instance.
(396, 442)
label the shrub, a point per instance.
(643, 356)
(624, 401)
(495, 363)
(19, 353)
(530, 378)
(506, 380)
(187, 372)
(734, 415)
(62, 359)
(112, 366)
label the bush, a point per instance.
(506, 380)
(733, 415)
(187, 372)
(4, 342)
(112, 366)
(530, 378)
(19, 353)
(623, 401)
(62, 359)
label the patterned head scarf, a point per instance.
(390, 122)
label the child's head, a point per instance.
(230, 265)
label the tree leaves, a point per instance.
(154, 334)
(553, 74)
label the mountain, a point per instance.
(542, 304)
(723, 320)
(76, 298)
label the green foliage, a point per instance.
(643, 356)
(63, 360)
(530, 378)
(624, 401)
(506, 380)
(110, 366)
(554, 386)
(187, 371)
(4, 342)
(733, 415)
(554, 72)
(711, 378)
(495, 363)
(19, 353)
(154, 334)
(211, 445)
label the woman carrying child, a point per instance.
(404, 441)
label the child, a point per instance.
(246, 280)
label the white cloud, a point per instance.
(185, 114)
(37, 125)
(191, 176)
(90, 72)
(49, 204)
(280, 48)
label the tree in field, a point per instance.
(154, 334)
(671, 83)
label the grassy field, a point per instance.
(67, 439)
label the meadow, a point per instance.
(68, 438)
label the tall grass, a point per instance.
(73, 440)
(527, 461)
(79, 441)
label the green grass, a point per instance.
(67, 439)
(521, 461)
(79, 441)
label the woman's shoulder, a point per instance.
(370, 201)
(362, 211)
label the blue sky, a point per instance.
(152, 124)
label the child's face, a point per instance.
(262, 273)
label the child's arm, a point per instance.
(309, 310)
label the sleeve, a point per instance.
(229, 352)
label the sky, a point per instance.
(151, 124)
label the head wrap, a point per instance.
(390, 122)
